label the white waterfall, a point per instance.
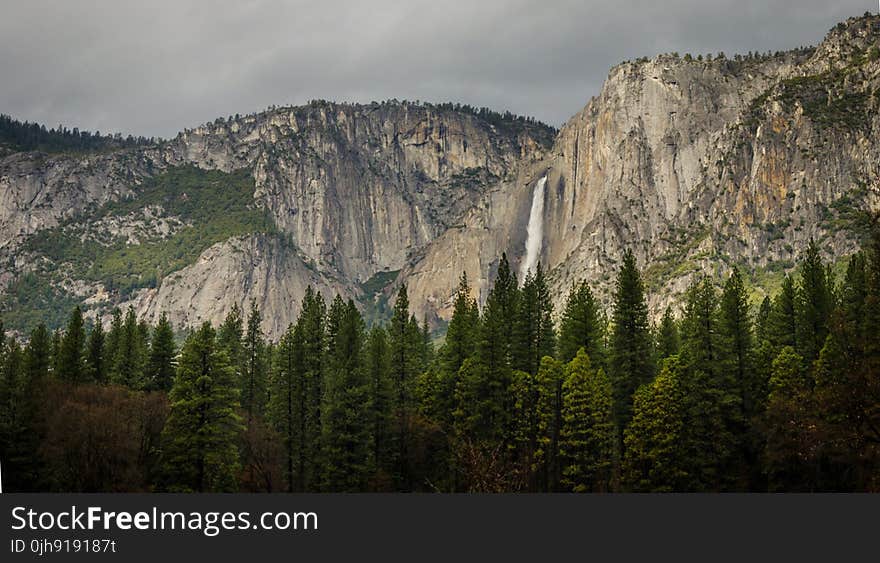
(535, 230)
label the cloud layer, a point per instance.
(156, 67)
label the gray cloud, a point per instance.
(156, 67)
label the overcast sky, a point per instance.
(155, 67)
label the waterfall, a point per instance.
(535, 230)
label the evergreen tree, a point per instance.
(345, 425)
(713, 397)
(632, 359)
(230, 336)
(700, 328)
(737, 342)
(404, 342)
(253, 370)
(37, 354)
(782, 320)
(70, 362)
(588, 437)
(95, 359)
(762, 320)
(288, 408)
(813, 304)
(461, 334)
(581, 326)
(160, 368)
(548, 458)
(790, 430)
(201, 433)
(655, 458)
(534, 335)
(380, 399)
(312, 334)
(131, 354)
(506, 294)
(55, 353)
(668, 342)
(111, 343)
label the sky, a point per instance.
(156, 67)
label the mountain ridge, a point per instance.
(678, 158)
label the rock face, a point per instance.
(682, 160)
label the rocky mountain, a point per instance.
(683, 159)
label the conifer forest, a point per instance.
(719, 394)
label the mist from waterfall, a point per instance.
(535, 230)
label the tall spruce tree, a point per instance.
(70, 362)
(581, 326)
(200, 437)
(404, 340)
(95, 358)
(814, 302)
(380, 400)
(668, 341)
(37, 354)
(632, 357)
(253, 369)
(288, 408)
(588, 437)
(783, 317)
(160, 368)
(131, 354)
(655, 458)
(348, 463)
(533, 331)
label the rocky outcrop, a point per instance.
(691, 163)
(684, 160)
(260, 268)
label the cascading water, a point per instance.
(535, 230)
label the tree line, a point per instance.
(25, 136)
(720, 397)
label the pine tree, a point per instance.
(312, 334)
(581, 326)
(160, 368)
(548, 458)
(700, 328)
(200, 437)
(655, 453)
(288, 407)
(131, 354)
(37, 354)
(713, 396)
(762, 319)
(533, 332)
(782, 320)
(345, 425)
(55, 353)
(380, 398)
(461, 334)
(111, 343)
(253, 370)
(813, 304)
(790, 430)
(438, 386)
(95, 361)
(588, 436)
(403, 362)
(230, 336)
(737, 342)
(13, 429)
(668, 342)
(70, 363)
(506, 295)
(632, 358)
